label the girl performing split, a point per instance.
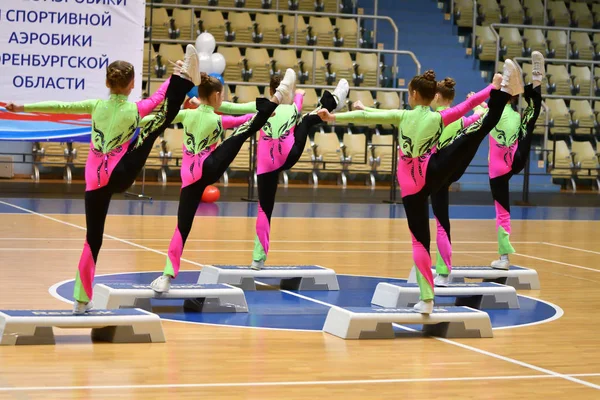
(204, 162)
(280, 146)
(422, 169)
(116, 156)
(510, 143)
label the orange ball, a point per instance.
(211, 194)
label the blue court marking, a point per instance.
(64, 313)
(281, 310)
(484, 268)
(128, 285)
(472, 285)
(296, 210)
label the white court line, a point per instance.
(242, 250)
(474, 349)
(252, 241)
(557, 262)
(571, 248)
(289, 383)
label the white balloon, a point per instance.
(205, 63)
(205, 43)
(218, 63)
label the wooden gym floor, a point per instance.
(40, 245)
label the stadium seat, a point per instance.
(160, 23)
(356, 158)
(560, 159)
(285, 59)
(367, 66)
(328, 153)
(239, 27)
(186, 22)
(560, 117)
(511, 42)
(582, 47)
(269, 28)
(581, 15)
(174, 146)
(149, 60)
(214, 23)
(156, 160)
(557, 44)
(306, 66)
(321, 30)
(586, 160)
(340, 66)
(259, 62)
(233, 63)
(559, 80)
(347, 29)
(489, 12)
(382, 152)
(513, 11)
(582, 78)
(170, 52)
(534, 11)
(289, 26)
(463, 13)
(246, 94)
(387, 100)
(583, 117)
(558, 14)
(306, 162)
(486, 43)
(534, 40)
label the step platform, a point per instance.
(293, 277)
(487, 295)
(376, 323)
(198, 297)
(31, 327)
(517, 277)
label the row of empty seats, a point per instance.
(578, 161)
(529, 12)
(268, 28)
(330, 6)
(256, 65)
(554, 44)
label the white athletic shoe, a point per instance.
(162, 284)
(286, 87)
(191, 66)
(80, 308)
(538, 69)
(501, 264)
(441, 280)
(512, 82)
(257, 265)
(341, 93)
(424, 307)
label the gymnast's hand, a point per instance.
(326, 115)
(497, 81)
(195, 101)
(300, 92)
(358, 105)
(12, 107)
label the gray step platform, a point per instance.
(24, 327)
(202, 298)
(301, 277)
(374, 323)
(477, 295)
(517, 277)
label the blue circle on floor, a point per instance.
(303, 310)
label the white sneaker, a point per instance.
(424, 307)
(512, 78)
(538, 69)
(501, 264)
(286, 87)
(340, 93)
(162, 284)
(80, 308)
(191, 66)
(441, 280)
(257, 265)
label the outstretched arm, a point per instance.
(450, 115)
(479, 111)
(364, 117)
(236, 109)
(299, 99)
(230, 122)
(56, 107)
(146, 106)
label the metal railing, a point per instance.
(314, 50)
(540, 27)
(296, 14)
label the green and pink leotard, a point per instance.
(423, 168)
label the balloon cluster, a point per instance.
(210, 62)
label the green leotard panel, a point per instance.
(114, 121)
(238, 108)
(202, 128)
(507, 130)
(285, 118)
